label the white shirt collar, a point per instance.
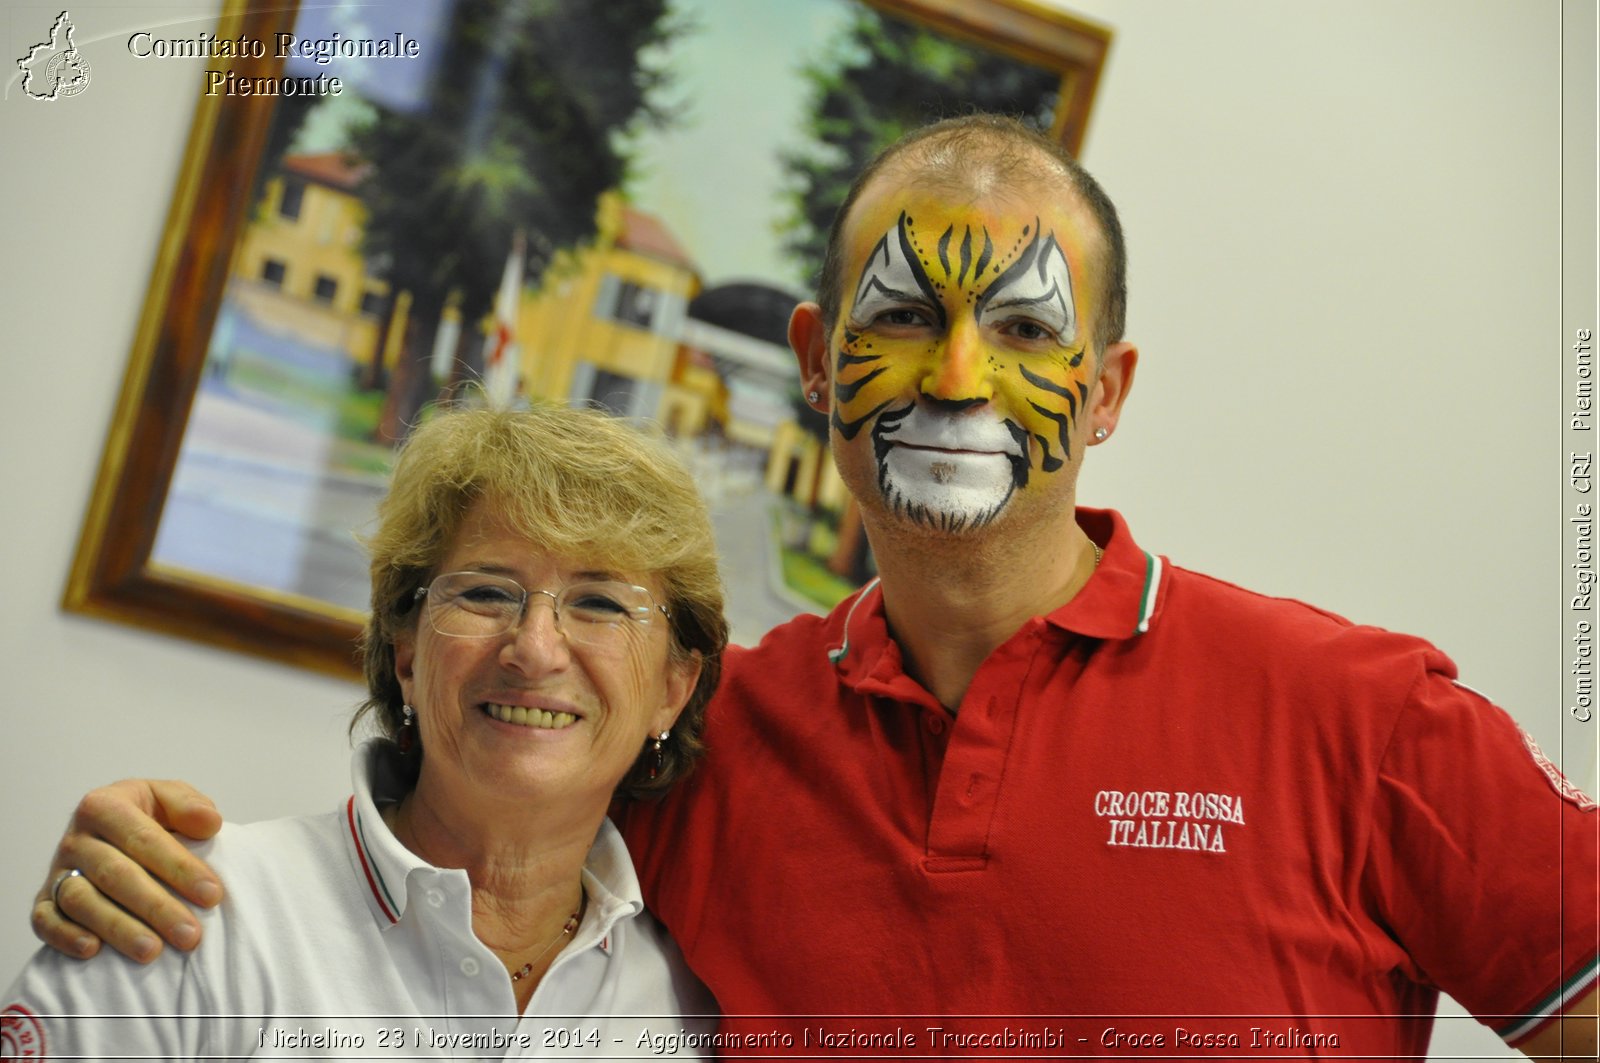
(387, 871)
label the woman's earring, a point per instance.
(1101, 432)
(655, 749)
(813, 396)
(408, 729)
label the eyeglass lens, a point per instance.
(479, 605)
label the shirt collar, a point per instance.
(613, 888)
(1122, 600)
(1124, 596)
(380, 862)
(383, 866)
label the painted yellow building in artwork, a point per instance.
(607, 321)
(299, 268)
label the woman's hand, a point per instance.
(119, 840)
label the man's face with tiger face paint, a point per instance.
(961, 360)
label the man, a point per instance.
(1037, 790)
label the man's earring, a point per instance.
(1101, 432)
(813, 396)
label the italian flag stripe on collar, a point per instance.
(380, 889)
(1147, 597)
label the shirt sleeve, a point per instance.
(109, 1007)
(1483, 861)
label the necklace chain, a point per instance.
(567, 928)
(396, 825)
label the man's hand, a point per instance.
(119, 839)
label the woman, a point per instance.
(546, 630)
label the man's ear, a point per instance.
(1111, 389)
(808, 337)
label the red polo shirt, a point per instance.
(1172, 816)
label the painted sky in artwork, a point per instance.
(714, 176)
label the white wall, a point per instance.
(1344, 230)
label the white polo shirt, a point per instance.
(336, 940)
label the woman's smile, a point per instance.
(542, 719)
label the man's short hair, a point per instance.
(950, 151)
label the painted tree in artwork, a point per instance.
(521, 131)
(880, 79)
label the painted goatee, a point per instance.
(950, 472)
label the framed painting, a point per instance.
(383, 207)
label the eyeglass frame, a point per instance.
(421, 593)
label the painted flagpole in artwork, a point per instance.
(501, 359)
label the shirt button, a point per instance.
(469, 967)
(435, 898)
(935, 723)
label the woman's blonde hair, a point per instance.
(579, 484)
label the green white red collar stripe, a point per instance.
(1523, 1027)
(369, 866)
(841, 651)
(1147, 597)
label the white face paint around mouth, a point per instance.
(951, 471)
(542, 719)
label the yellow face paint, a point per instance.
(954, 309)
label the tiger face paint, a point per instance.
(962, 354)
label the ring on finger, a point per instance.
(61, 879)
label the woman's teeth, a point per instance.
(530, 717)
